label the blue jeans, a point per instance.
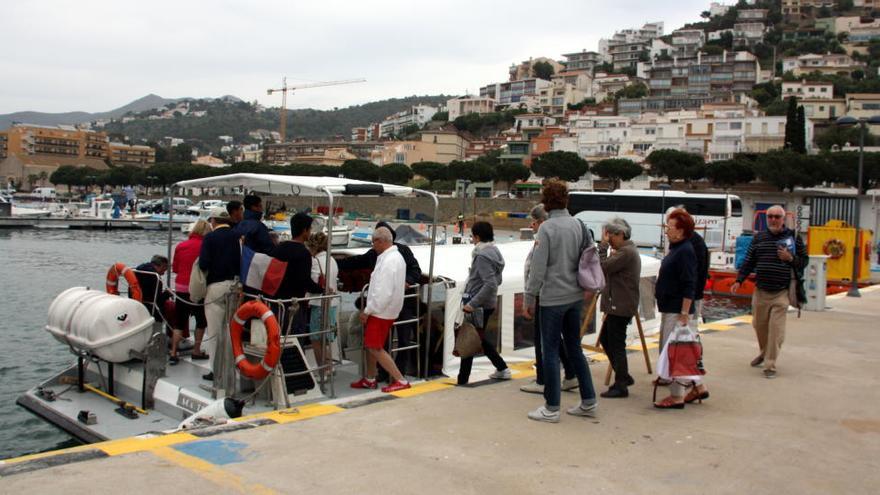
(562, 323)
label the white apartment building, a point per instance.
(637, 42)
(830, 63)
(605, 84)
(718, 9)
(748, 34)
(464, 105)
(714, 137)
(512, 93)
(808, 89)
(687, 42)
(553, 100)
(416, 115)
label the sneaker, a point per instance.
(501, 374)
(208, 376)
(172, 360)
(580, 410)
(615, 393)
(533, 388)
(185, 345)
(769, 373)
(545, 415)
(758, 361)
(569, 384)
(394, 387)
(364, 383)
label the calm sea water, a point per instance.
(37, 265)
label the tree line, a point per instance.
(783, 169)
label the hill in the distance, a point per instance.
(145, 103)
(236, 118)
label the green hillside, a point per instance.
(238, 118)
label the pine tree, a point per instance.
(791, 123)
(800, 143)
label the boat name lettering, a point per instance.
(189, 403)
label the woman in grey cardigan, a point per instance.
(620, 299)
(481, 295)
(553, 278)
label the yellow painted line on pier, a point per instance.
(718, 327)
(298, 413)
(139, 444)
(43, 455)
(422, 388)
(638, 347)
(524, 369)
(211, 472)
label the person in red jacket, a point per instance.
(185, 255)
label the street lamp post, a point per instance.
(664, 188)
(857, 249)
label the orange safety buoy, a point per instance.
(834, 248)
(112, 284)
(247, 311)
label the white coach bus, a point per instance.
(714, 214)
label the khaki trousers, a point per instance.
(215, 314)
(768, 318)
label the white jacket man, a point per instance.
(385, 296)
(384, 302)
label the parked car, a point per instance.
(205, 206)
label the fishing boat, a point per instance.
(120, 383)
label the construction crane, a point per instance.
(284, 89)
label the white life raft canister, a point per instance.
(105, 325)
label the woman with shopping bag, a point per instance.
(480, 297)
(676, 286)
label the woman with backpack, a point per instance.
(554, 278)
(317, 244)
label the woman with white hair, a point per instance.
(620, 299)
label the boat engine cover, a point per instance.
(102, 324)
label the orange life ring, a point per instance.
(247, 311)
(112, 284)
(834, 248)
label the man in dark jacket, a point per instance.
(413, 277)
(775, 255)
(252, 228)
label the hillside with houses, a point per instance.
(762, 93)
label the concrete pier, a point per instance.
(813, 429)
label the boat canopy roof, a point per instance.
(297, 185)
(453, 261)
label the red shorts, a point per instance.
(376, 332)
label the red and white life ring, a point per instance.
(247, 311)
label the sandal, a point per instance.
(695, 395)
(669, 403)
(660, 382)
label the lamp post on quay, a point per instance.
(857, 249)
(664, 188)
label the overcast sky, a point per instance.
(97, 55)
